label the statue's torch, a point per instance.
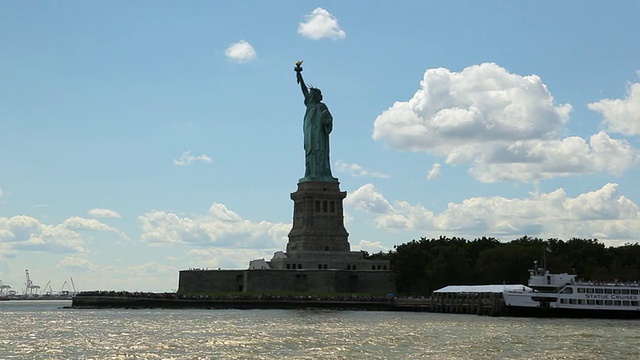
(298, 70)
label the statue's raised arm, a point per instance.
(298, 70)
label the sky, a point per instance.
(138, 139)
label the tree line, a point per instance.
(421, 266)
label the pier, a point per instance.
(486, 304)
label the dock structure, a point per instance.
(486, 304)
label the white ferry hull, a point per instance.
(571, 313)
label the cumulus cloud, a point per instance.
(78, 223)
(321, 24)
(221, 227)
(241, 51)
(504, 125)
(372, 247)
(602, 214)
(434, 173)
(187, 159)
(367, 198)
(534, 160)
(105, 213)
(356, 170)
(621, 115)
(27, 233)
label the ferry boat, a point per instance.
(562, 295)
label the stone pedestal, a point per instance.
(318, 219)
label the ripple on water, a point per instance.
(48, 332)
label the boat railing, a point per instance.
(614, 284)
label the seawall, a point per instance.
(203, 303)
(480, 304)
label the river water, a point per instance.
(47, 330)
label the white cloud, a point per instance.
(602, 214)
(78, 223)
(105, 213)
(367, 198)
(372, 247)
(321, 24)
(621, 115)
(356, 170)
(434, 173)
(1, 193)
(77, 263)
(221, 227)
(226, 258)
(241, 51)
(504, 125)
(602, 204)
(27, 233)
(149, 276)
(187, 159)
(482, 103)
(546, 159)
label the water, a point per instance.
(45, 330)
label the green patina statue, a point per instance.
(317, 126)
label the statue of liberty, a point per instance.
(317, 126)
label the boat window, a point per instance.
(616, 291)
(580, 290)
(607, 291)
(599, 302)
(563, 301)
(625, 291)
(635, 303)
(617, 303)
(634, 291)
(590, 290)
(608, 302)
(567, 290)
(572, 301)
(591, 302)
(599, 291)
(626, 303)
(582, 301)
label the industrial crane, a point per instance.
(30, 288)
(4, 288)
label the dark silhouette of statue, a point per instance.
(317, 126)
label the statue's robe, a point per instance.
(318, 124)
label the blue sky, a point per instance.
(141, 138)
